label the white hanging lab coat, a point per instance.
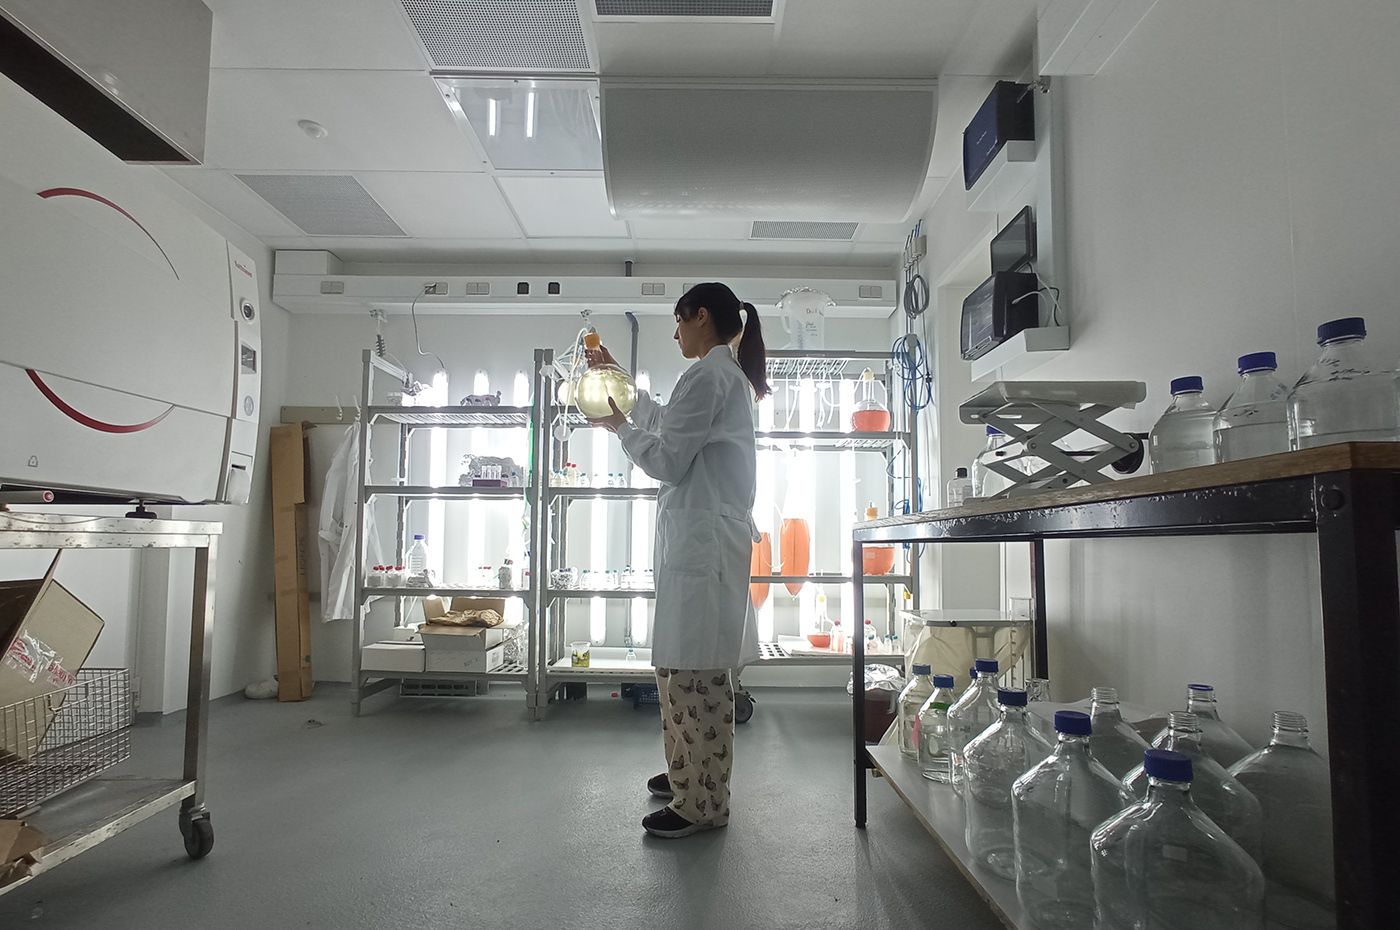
(700, 447)
(335, 536)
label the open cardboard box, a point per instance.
(18, 841)
(46, 634)
(450, 648)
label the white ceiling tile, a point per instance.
(678, 49)
(433, 205)
(555, 207)
(892, 39)
(682, 228)
(359, 35)
(375, 120)
(225, 193)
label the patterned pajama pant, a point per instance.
(697, 718)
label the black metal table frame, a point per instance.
(1355, 514)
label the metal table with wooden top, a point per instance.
(1349, 496)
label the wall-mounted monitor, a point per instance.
(1013, 249)
(1007, 115)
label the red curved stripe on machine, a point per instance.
(79, 192)
(91, 422)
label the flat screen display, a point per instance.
(1013, 249)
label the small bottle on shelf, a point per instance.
(911, 701)
(933, 731)
(959, 489)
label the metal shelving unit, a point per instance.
(1348, 495)
(102, 808)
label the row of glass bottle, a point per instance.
(1344, 397)
(1057, 819)
(570, 476)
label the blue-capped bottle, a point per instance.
(911, 701)
(1254, 421)
(933, 733)
(1182, 436)
(1218, 738)
(1347, 395)
(1056, 806)
(985, 481)
(973, 711)
(994, 760)
(1162, 864)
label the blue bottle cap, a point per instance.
(1348, 328)
(1166, 765)
(986, 665)
(1011, 697)
(1258, 361)
(923, 669)
(993, 431)
(1072, 722)
(1200, 687)
(943, 681)
(417, 535)
(1187, 385)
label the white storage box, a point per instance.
(463, 649)
(392, 657)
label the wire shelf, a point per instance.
(54, 742)
(828, 441)
(823, 367)
(484, 417)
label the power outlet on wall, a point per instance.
(436, 288)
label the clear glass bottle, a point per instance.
(933, 733)
(1222, 797)
(911, 701)
(1182, 436)
(1293, 784)
(1346, 396)
(1056, 806)
(994, 760)
(417, 561)
(985, 482)
(1254, 421)
(1161, 864)
(1221, 742)
(959, 489)
(974, 711)
(1114, 741)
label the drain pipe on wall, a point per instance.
(631, 320)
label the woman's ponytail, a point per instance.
(753, 356)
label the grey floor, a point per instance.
(438, 813)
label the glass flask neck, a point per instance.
(1290, 729)
(1168, 792)
(1202, 704)
(1071, 744)
(1104, 703)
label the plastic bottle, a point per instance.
(838, 637)
(1254, 421)
(1161, 864)
(1293, 785)
(959, 489)
(911, 701)
(1182, 436)
(973, 712)
(418, 558)
(1346, 396)
(934, 733)
(872, 637)
(1056, 806)
(1221, 742)
(985, 482)
(1218, 793)
(1114, 742)
(994, 761)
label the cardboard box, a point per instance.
(46, 634)
(392, 657)
(18, 841)
(435, 609)
(289, 551)
(462, 648)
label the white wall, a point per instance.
(1228, 186)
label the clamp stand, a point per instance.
(1039, 414)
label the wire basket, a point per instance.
(90, 732)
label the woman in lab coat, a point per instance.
(700, 447)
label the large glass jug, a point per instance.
(872, 412)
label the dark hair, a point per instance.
(724, 309)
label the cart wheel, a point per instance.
(199, 836)
(743, 707)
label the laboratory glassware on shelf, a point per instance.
(1056, 806)
(1164, 863)
(1254, 421)
(877, 560)
(1184, 436)
(959, 488)
(1347, 395)
(911, 701)
(985, 481)
(933, 733)
(1114, 742)
(975, 710)
(1217, 737)
(993, 761)
(1293, 785)
(872, 413)
(419, 575)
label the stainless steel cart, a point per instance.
(80, 819)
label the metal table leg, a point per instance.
(195, 823)
(857, 634)
(1040, 658)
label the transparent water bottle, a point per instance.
(959, 489)
(933, 732)
(417, 560)
(994, 760)
(1293, 784)
(1221, 742)
(1056, 806)
(1182, 436)
(1222, 797)
(1162, 864)
(1254, 421)
(974, 711)
(911, 701)
(1346, 396)
(985, 482)
(1114, 742)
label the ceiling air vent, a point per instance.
(324, 204)
(778, 229)
(688, 9)
(539, 36)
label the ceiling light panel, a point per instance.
(780, 229)
(688, 9)
(526, 125)
(323, 204)
(539, 36)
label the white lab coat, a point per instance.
(701, 448)
(335, 536)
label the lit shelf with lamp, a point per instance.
(453, 417)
